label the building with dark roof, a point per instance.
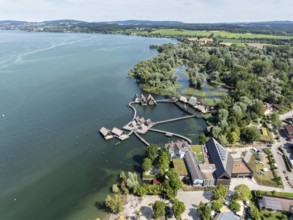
(279, 204)
(196, 176)
(223, 161)
(289, 131)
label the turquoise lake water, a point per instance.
(56, 91)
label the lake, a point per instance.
(56, 91)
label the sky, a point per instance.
(191, 11)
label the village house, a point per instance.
(106, 133)
(177, 149)
(289, 131)
(196, 176)
(151, 100)
(223, 161)
(183, 99)
(277, 204)
(241, 169)
(200, 41)
(192, 101)
(270, 108)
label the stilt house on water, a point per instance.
(151, 100)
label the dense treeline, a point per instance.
(254, 76)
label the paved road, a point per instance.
(281, 165)
(252, 184)
(286, 115)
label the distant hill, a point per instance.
(67, 25)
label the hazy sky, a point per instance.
(180, 10)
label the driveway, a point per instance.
(191, 200)
(252, 184)
(287, 115)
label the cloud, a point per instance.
(181, 10)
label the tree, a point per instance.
(159, 209)
(222, 139)
(202, 139)
(178, 208)
(220, 192)
(233, 137)
(164, 161)
(250, 134)
(258, 108)
(276, 122)
(174, 180)
(131, 180)
(204, 211)
(147, 164)
(242, 192)
(254, 213)
(122, 176)
(234, 206)
(115, 203)
(216, 205)
(152, 151)
(115, 188)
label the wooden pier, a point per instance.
(175, 119)
(142, 139)
(170, 134)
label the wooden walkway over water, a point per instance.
(171, 134)
(175, 119)
(142, 139)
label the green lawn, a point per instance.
(202, 94)
(197, 149)
(288, 195)
(179, 167)
(200, 158)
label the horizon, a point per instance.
(187, 11)
(141, 20)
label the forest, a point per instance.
(253, 75)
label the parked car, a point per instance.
(269, 145)
(257, 158)
(279, 152)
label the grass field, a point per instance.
(288, 195)
(219, 34)
(197, 149)
(179, 167)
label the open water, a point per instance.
(56, 91)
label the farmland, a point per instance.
(218, 34)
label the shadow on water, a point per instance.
(138, 161)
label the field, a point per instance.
(179, 167)
(219, 34)
(198, 151)
(265, 179)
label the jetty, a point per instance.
(170, 134)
